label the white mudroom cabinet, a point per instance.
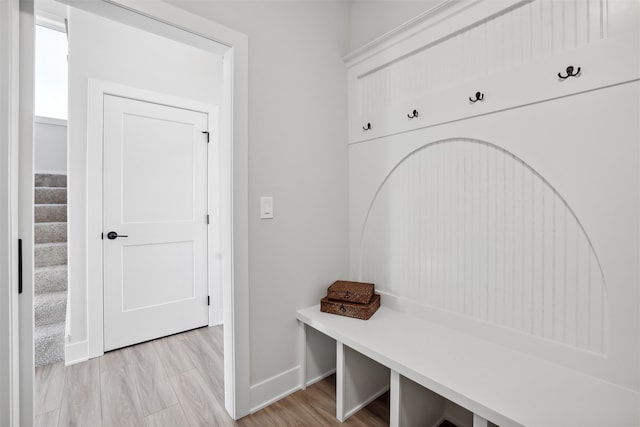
(494, 190)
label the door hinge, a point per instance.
(102, 236)
(206, 133)
(208, 300)
(207, 219)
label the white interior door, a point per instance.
(155, 201)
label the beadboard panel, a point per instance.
(512, 57)
(465, 226)
(527, 33)
(444, 218)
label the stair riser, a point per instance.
(50, 195)
(50, 213)
(50, 232)
(50, 279)
(49, 180)
(49, 308)
(46, 255)
(49, 348)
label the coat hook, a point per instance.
(479, 97)
(570, 73)
(367, 127)
(413, 114)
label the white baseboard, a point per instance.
(370, 399)
(275, 388)
(50, 172)
(280, 386)
(76, 352)
(440, 421)
(215, 322)
(320, 377)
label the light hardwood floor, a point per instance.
(174, 381)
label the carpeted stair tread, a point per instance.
(47, 254)
(51, 273)
(51, 278)
(49, 344)
(50, 195)
(50, 180)
(50, 213)
(50, 232)
(49, 308)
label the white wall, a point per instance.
(298, 155)
(50, 150)
(369, 20)
(105, 50)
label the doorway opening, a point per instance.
(231, 258)
(49, 198)
(50, 192)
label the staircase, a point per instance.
(50, 257)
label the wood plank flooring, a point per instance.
(172, 382)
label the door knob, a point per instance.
(113, 235)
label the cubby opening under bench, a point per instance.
(426, 366)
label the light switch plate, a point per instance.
(266, 207)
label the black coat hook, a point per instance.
(413, 114)
(570, 73)
(479, 97)
(367, 127)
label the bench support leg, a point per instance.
(478, 421)
(302, 355)
(340, 382)
(394, 397)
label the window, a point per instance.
(51, 73)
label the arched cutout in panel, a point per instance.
(464, 226)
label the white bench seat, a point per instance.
(496, 383)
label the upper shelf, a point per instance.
(510, 52)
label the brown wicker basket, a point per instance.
(346, 291)
(349, 309)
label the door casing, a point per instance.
(9, 324)
(26, 209)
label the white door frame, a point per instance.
(96, 91)
(234, 200)
(234, 213)
(26, 208)
(16, 378)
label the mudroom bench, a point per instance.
(426, 365)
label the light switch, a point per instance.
(266, 207)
